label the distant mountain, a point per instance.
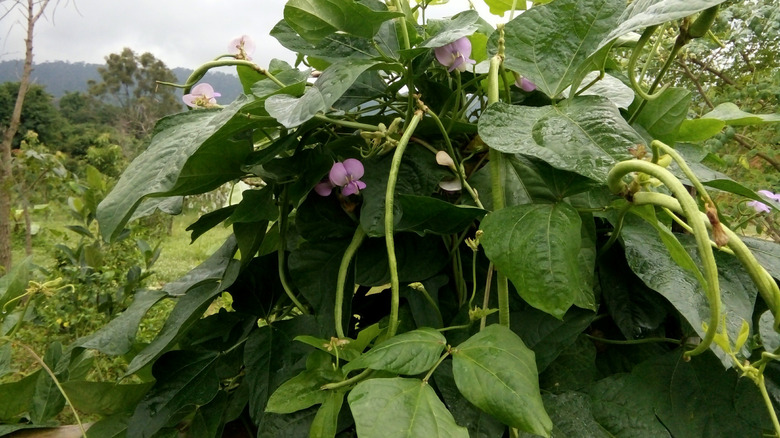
(60, 77)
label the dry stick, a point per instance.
(695, 81)
(742, 141)
(716, 72)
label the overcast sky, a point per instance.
(182, 33)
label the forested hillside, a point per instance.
(60, 77)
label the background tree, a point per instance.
(39, 113)
(31, 10)
(130, 82)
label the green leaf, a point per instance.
(418, 175)
(694, 130)
(460, 26)
(271, 357)
(191, 306)
(548, 43)
(536, 246)
(398, 407)
(118, 336)
(769, 337)
(16, 397)
(104, 398)
(571, 413)
(47, 400)
(548, 336)
(644, 13)
(649, 258)
(316, 19)
(301, 392)
(496, 372)
(661, 117)
(255, 206)
(292, 111)
(185, 380)
(332, 48)
(114, 426)
(732, 115)
(190, 153)
(5, 359)
(423, 214)
(479, 424)
(325, 424)
(499, 7)
(574, 369)
(208, 421)
(767, 253)
(586, 135)
(13, 284)
(409, 353)
(418, 259)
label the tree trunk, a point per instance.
(6, 175)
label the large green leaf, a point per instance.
(423, 214)
(185, 380)
(586, 135)
(668, 396)
(47, 400)
(573, 370)
(479, 424)
(401, 408)
(649, 258)
(643, 13)
(104, 398)
(316, 19)
(661, 117)
(301, 392)
(14, 284)
(325, 424)
(732, 115)
(462, 25)
(16, 397)
(292, 111)
(219, 272)
(271, 357)
(418, 258)
(536, 246)
(190, 153)
(767, 253)
(332, 48)
(548, 43)
(548, 336)
(117, 337)
(409, 353)
(496, 372)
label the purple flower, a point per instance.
(455, 55)
(760, 207)
(346, 175)
(242, 47)
(525, 84)
(201, 96)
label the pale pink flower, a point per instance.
(201, 96)
(242, 47)
(455, 55)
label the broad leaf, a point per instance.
(185, 379)
(695, 130)
(16, 397)
(661, 117)
(573, 370)
(548, 43)
(332, 48)
(767, 253)
(301, 392)
(117, 337)
(536, 246)
(586, 135)
(325, 424)
(644, 13)
(409, 353)
(423, 214)
(316, 19)
(292, 111)
(732, 115)
(14, 284)
(461, 26)
(401, 408)
(496, 372)
(104, 398)
(650, 260)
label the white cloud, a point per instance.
(182, 33)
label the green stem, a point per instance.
(338, 304)
(768, 401)
(700, 190)
(632, 65)
(347, 123)
(692, 213)
(201, 71)
(486, 297)
(675, 50)
(430, 372)
(389, 221)
(56, 382)
(634, 341)
(497, 186)
(282, 257)
(357, 378)
(763, 280)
